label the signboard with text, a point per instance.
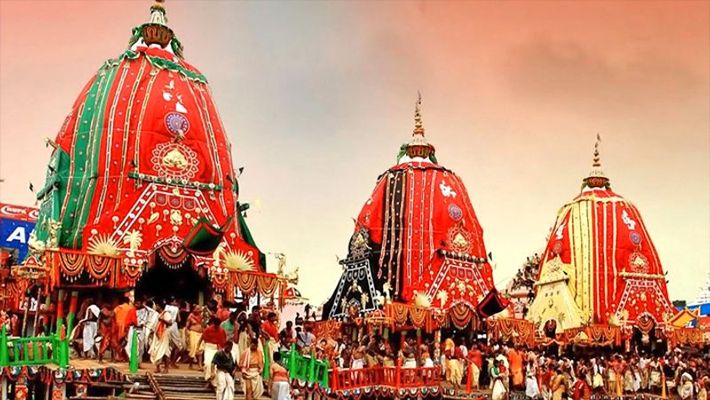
(16, 224)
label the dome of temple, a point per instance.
(611, 269)
(142, 164)
(417, 239)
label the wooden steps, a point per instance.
(168, 387)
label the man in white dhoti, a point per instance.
(89, 330)
(213, 339)
(498, 377)
(252, 366)
(160, 345)
(142, 315)
(176, 340)
(224, 376)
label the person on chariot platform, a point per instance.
(426, 360)
(194, 330)
(581, 389)
(151, 318)
(287, 336)
(358, 354)
(177, 342)
(125, 315)
(212, 338)
(559, 384)
(305, 339)
(532, 390)
(516, 367)
(144, 313)
(222, 312)
(410, 359)
(505, 367)
(89, 329)
(685, 388)
(160, 345)
(499, 374)
(454, 364)
(107, 333)
(131, 323)
(475, 359)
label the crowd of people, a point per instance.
(232, 345)
(540, 374)
(225, 342)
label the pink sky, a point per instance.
(318, 96)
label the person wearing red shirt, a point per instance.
(270, 326)
(581, 389)
(214, 338)
(475, 357)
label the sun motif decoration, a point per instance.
(422, 300)
(238, 260)
(102, 245)
(174, 161)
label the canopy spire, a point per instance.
(418, 147)
(156, 31)
(596, 178)
(418, 126)
(596, 163)
(157, 13)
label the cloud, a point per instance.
(593, 81)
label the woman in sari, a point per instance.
(194, 330)
(499, 391)
(252, 367)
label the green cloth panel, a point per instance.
(246, 233)
(92, 133)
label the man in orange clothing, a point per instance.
(515, 358)
(125, 316)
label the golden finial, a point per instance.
(157, 13)
(418, 128)
(418, 146)
(596, 178)
(596, 160)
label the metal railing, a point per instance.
(306, 368)
(33, 350)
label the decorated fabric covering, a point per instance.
(142, 164)
(518, 331)
(424, 244)
(416, 210)
(614, 272)
(554, 301)
(492, 304)
(204, 237)
(594, 335)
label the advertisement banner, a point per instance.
(16, 224)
